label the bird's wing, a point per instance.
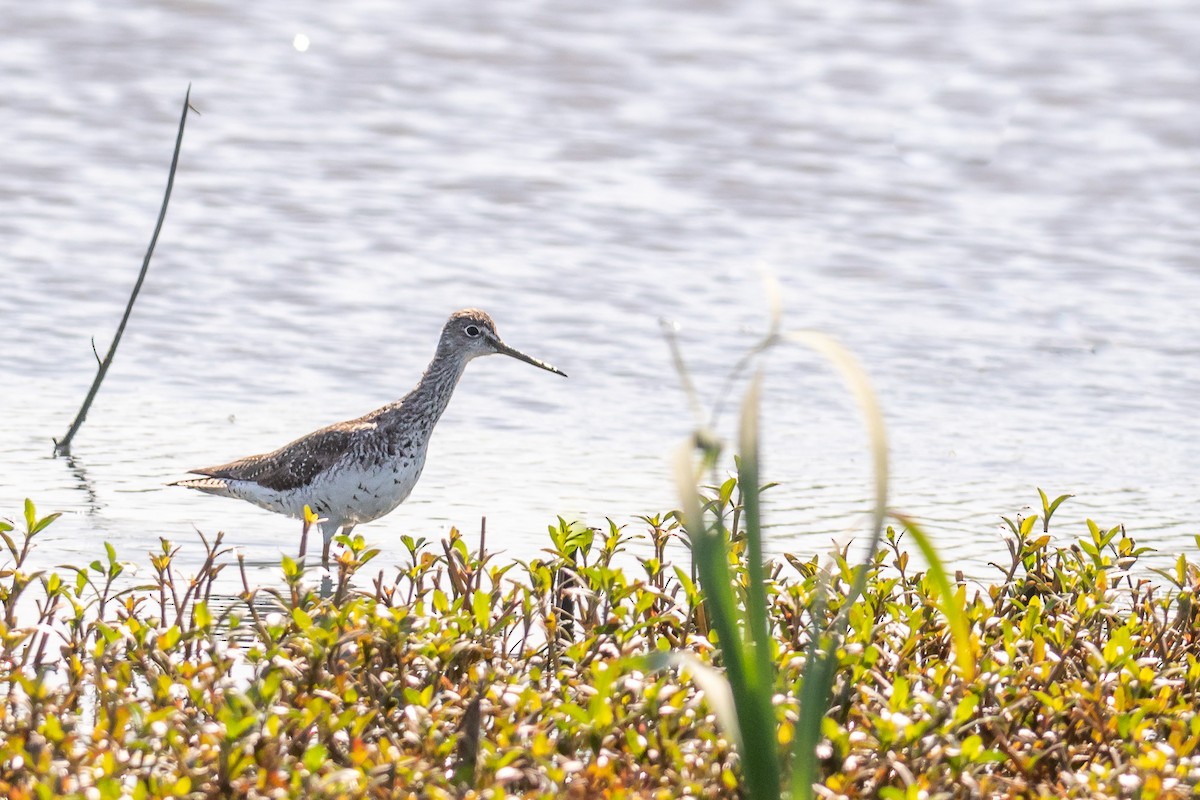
(294, 465)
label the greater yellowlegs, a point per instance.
(357, 471)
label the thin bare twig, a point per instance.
(63, 446)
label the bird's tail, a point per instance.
(219, 486)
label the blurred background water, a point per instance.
(993, 205)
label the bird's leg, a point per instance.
(328, 528)
(329, 532)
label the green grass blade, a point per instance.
(751, 694)
(758, 721)
(756, 591)
(952, 605)
(815, 690)
(716, 580)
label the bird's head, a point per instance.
(471, 333)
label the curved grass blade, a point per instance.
(859, 384)
(816, 684)
(716, 688)
(670, 333)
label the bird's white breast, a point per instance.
(355, 493)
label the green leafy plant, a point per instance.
(455, 673)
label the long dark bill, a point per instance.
(501, 347)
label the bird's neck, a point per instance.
(432, 393)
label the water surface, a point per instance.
(995, 207)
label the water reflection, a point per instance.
(84, 483)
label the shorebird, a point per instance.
(357, 471)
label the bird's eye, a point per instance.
(471, 330)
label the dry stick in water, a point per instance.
(63, 446)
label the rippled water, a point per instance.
(995, 207)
